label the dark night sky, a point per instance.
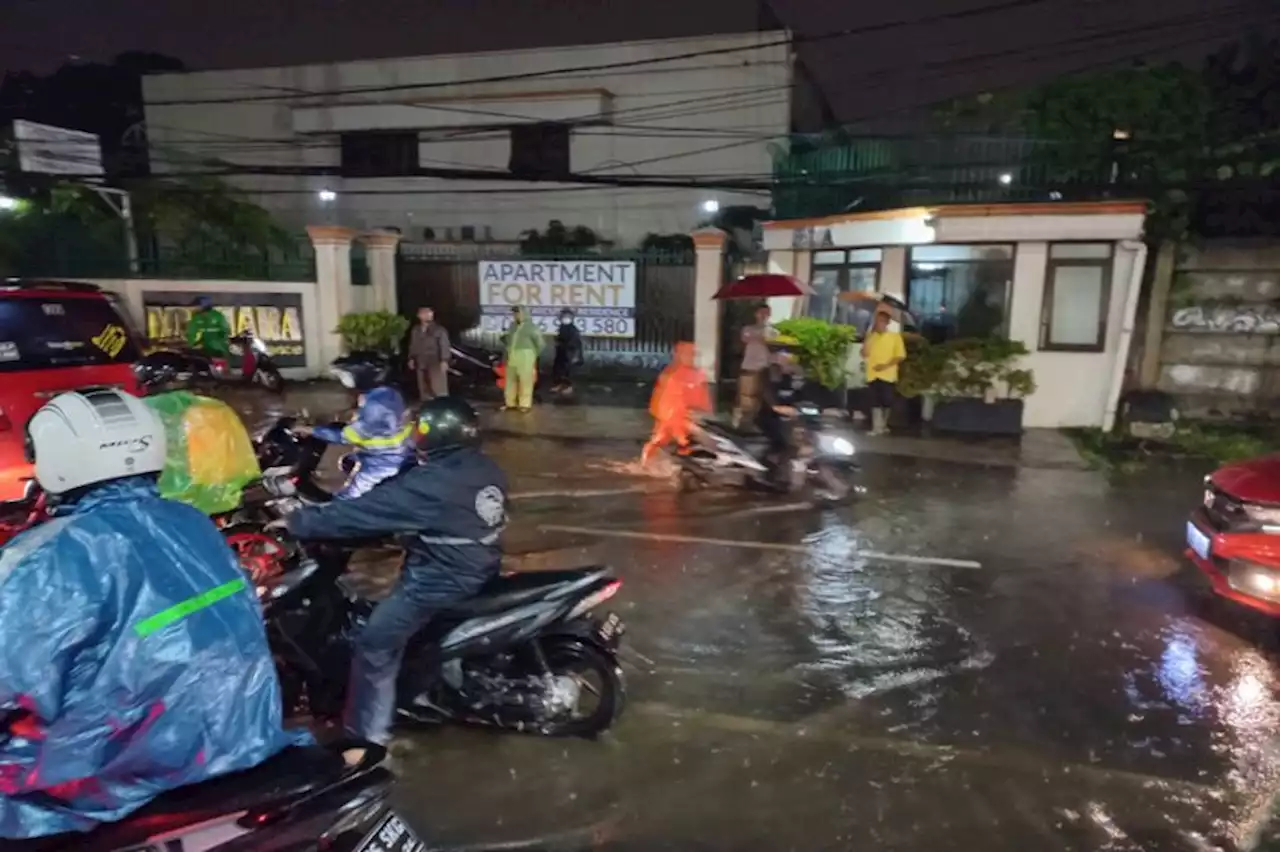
(861, 75)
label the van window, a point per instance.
(45, 333)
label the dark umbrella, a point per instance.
(874, 303)
(766, 286)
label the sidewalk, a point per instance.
(1037, 448)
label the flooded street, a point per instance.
(968, 657)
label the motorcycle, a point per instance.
(181, 366)
(525, 654)
(824, 459)
(301, 799)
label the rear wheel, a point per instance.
(832, 484)
(601, 688)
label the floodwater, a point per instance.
(969, 657)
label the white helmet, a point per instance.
(83, 438)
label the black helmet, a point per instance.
(361, 371)
(446, 423)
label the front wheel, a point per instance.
(269, 378)
(601, 688)
(833, 484)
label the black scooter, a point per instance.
(823, 459)
(182, 367)
(526, 654)
(303, 799)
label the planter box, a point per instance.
(976, 417)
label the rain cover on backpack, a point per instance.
(210, 455)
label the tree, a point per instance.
(105, 99)
(558, 239)
(1186, 138)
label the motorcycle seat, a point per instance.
(512, 590)
(291, 774)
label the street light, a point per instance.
(327, 196)
(1006, 178)
(8, 203)
(711, 206)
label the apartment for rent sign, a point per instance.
(601, 294)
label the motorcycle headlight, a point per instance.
(1268, 516)
(344, 376)
(836, 445)
(259, 346)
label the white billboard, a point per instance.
(601, 294)
(49, 150)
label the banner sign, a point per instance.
(601, 294)
(274, 318)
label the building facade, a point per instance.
(383, 143)
(1062, 278)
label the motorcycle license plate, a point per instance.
(612, 628)
(391, 835)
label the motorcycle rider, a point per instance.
(780, 390)
(452, 506)
(133, 658)
(380, 438)
(208, 331)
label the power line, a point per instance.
(631, 63)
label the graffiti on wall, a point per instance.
(1254, 318)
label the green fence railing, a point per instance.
(821, 176)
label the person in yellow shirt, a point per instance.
(882, 351)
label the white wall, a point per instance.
(133, 290)
(706, 116)
(1072, 387)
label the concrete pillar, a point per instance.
(709, 244)
(380, 251)
(333, 283)
(1157, 313)
(893, 271)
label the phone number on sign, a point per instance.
(589, 326)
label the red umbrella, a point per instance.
(767, 286)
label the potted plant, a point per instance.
(373, 332)
(980, 387)
(822, 349)
(921, 373)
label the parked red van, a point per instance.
(1234, 537)
(54, 336)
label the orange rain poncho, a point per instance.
(681, 391)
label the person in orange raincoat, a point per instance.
(681, 391)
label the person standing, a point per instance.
(883, 350)
(568, 353)
(429, 355)
(524, 344)
(755, 365)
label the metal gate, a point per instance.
(664, 302)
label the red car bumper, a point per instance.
(1242, 566)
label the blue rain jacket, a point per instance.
(381, 439)
(133, 660)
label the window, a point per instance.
(836, 272)
(1077, 290)
(378, 154)
(960, 290)
(57, 331)
(540, 150)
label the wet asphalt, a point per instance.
(968, 657)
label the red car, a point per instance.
(54, 336)
(1234, 538)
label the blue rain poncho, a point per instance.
(133, 660)
(380, 437)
